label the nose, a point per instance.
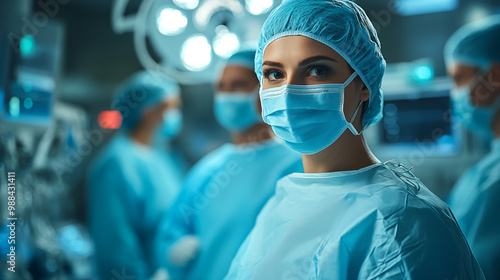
(295, 79)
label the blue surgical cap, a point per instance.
(341, 25)
(140, 92)
(244, 57)
(475, 44)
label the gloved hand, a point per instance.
(184, 250)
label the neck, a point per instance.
(349, 152)
(257, 133)
(142, 134)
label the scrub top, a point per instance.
(475, 201)
(220, 200)
(131, 187)
(379, 222)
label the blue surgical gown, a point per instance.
(378, 222)
(131, 187)
(475, 201)
(220, 201)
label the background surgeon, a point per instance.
(472, 56)
(226, 189)
(135, 179)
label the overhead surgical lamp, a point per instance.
(191, 37)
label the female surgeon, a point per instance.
(348, 216)
(135, 179)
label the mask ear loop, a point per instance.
(349, 80)
(350, 125)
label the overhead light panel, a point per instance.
(257, 7)
(187, 4)
(196, 53)
(225, 43)
(171, 22)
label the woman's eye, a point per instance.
(317, 71)
(273, 75)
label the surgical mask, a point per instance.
(171, 125)
(308, 118)
(477, 119)
(236, 111)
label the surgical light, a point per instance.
(190, 37)
(187, 4)
(257, 7)
(171, 22)
(196, 53)
(225, 43)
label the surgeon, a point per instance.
(349, 216)
(135, 179)
(473, 60)
(225, 190)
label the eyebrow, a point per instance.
(302, 63)
(271, 63)
(314, 59)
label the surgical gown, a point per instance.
(378, 222)
(220, 201)
(131, 187)
(475, 201)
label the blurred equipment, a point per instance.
(43, 141)
(411, 7)
(416, 117)
(29, 79)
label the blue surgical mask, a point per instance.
(236, 111)
(308, 118)
(476, 119)
(171, 125)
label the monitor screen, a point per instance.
(421, 120)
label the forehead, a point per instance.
(298, 47)
(236, 72)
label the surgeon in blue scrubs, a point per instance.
(473, 60)
(226, 189)
(135, 179)
(349, 216)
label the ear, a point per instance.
(364, 91)
(365, 94)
